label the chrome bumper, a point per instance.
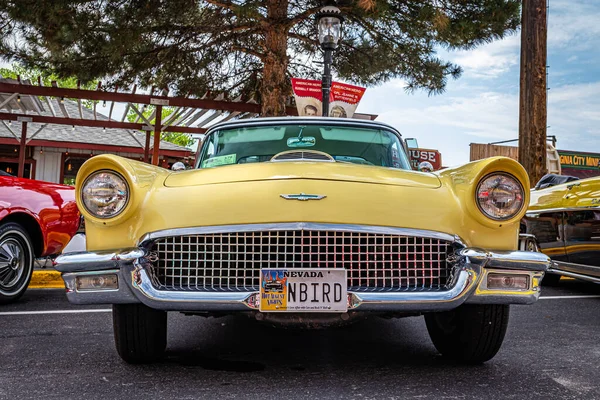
(469, 285)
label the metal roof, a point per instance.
(81, 134)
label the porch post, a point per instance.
(22, 149)
(157, 131)
(147, 148)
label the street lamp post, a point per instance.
(329, 21)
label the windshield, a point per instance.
(368, 146)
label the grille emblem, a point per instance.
(303, 196)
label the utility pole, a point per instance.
(532, 99)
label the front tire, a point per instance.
(16, 261)
(140, 333)
(472, 333)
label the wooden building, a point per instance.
(54, 152)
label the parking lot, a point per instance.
(51, 349)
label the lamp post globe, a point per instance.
(329, 23)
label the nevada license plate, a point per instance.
(303, 290)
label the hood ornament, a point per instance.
(303, 196)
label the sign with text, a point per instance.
(419, 155)
(579, 160)
(343, 98)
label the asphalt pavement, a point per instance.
(50, 349)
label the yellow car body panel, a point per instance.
(251, 194)
(564, 219)
(582, 193)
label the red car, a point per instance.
(37, 219)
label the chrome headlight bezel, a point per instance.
(116, 175)
(519, 186)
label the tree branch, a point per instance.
(301, 17)
(223, 4)
(303, 38)
(246, 50)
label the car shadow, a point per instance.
(240, 344)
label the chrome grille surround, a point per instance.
(230, 258)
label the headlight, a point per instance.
(105, 194)
(500, 196)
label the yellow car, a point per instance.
(315, 221)
(563, 222)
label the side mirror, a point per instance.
(178, 166)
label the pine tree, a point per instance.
(249, 48)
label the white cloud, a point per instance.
(490, 60)
(573, 116)
(448, 122)
(573, 25)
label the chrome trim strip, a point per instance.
(518, 260)
(303, 196)
(92, 261)
(556, 269)
(536, 213)
(290, 226)
(464, 285)
(180, 300)
(576, 276)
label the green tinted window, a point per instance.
(346, 144)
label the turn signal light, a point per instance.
(508, 281)
(98, 282)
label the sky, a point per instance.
(482, 106)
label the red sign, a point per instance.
(419, 155)
(343, 98)
(307, 88)
(347, 93)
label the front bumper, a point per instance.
(471, 269)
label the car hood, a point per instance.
(327, 171)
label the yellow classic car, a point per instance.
(563, 222)
(304, 221)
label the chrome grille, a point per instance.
(232, 261)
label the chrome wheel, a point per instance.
(12, 263)
(16, 261)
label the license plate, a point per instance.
(303, 290)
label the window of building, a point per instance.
(13, 168)
(71, 165)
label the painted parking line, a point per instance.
(590, 296)
(94, 310)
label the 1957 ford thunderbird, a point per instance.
(312, 221)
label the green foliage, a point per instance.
(46, 78)
(181, 139)
(199, 46)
